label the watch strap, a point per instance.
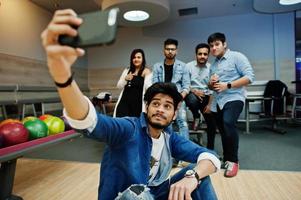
(66, 84)
(195, 174)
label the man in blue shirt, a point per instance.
(199, 99)
(229, 73)
(138, 156)
(172, 70)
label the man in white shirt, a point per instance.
(199, 98)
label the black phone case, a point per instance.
(97, 28)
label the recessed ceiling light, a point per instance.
(136, 15)
(289, 2)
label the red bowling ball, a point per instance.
(1, 141)
(13, 133)
(9, 121)
(45, 116)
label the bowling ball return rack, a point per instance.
(9, 156)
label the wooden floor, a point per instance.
(61, 180)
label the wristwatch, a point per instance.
(192, 173)
(229, 85)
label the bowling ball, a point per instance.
(1, 141)
(67, 125)
(10, 120)
(37, 129)
(55, 125)
(13, 133)
(29, 118)
(45, 116)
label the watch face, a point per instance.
(189, 172)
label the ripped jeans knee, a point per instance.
(135, 192)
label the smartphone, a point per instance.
(97, 28)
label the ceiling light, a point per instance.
(289, 2)
(136, 15)
(155, 11)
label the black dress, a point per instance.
(130, 103)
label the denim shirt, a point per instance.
(232, 66)
(180, 75)
(127, 156)
(199, 76)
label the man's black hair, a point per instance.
(200, 46)
(169, 89)
(171, 41)
(216, 37)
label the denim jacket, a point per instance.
(180, 75)
(127, 156)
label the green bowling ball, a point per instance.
(55, 125)
(36, 128)
(29, 118)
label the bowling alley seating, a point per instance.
(21, 96)
(296, 108)
(274, 104)
(101, 100)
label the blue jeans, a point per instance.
(204, 191)
(181, 121)
(226, 120)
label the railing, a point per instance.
(22, 96)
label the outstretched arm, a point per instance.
(60, 59)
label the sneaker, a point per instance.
(231, 169)
(195, 124)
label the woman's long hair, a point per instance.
(132, 66)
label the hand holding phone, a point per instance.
(97, 28)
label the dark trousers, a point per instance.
(195, 105)
(226, 122)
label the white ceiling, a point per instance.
(206, 8)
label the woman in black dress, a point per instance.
(133, 81)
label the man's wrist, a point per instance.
(66, 83)
(191, 173)
(229, 85)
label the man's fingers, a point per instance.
(72, 20)
(171, 193)
(61, 24)
(65, 12)
(62, 29)
(50, 35)
(187, 195)
(181, 193)
(80, 52)
(55, 50)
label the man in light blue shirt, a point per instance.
(172, 70)
(199, 99)
(229, 73)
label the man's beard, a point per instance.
(202, 62)
(157, 125)
(170, 56)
